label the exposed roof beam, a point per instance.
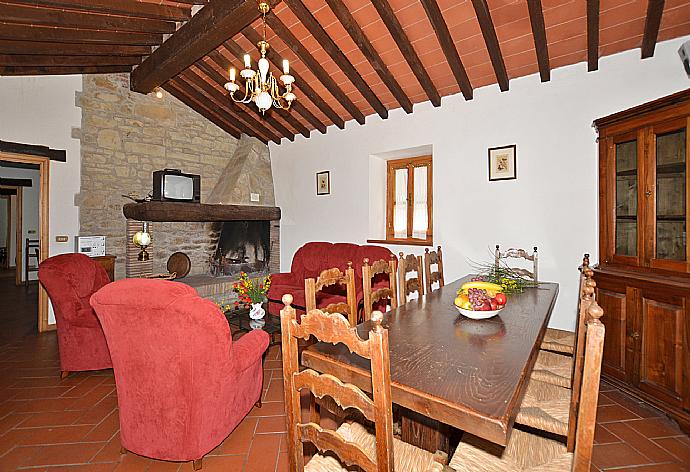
(536, 18)
(213, 24)
(198, 105)
(72, 35)
(67, 49)
(352, 27)
(296, 46)
(271, 114)
(118, 7)
(655, 8)
(301, 84)
(221, 100)
(592, 35)
(396, 30)
(217, 78)
(33, 15)
(316, 30)
(52, 60)
(60, 70)
(489, 32)
(433, 12)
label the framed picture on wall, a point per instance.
(323, 183)
(503, 163)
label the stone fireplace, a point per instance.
(243, 246)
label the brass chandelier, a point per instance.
(261, 87)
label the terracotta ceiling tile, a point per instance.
(565, 31)
(676, 13)
(572, 56)
(471, 47)
(527, 69)
(484, 80)
(671, 32)
(605, 5)
(565, 13)
(365, 15)
(516, 29)
(622, 14)
(620, 45)
(549, 4)
(505, 12)
(519, 46)
(621, 31)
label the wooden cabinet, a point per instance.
(643, 279)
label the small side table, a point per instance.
(240, 323)
(108, 263)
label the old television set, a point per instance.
(172, 185)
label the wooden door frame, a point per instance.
(43, 218)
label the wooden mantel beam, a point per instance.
(216, 22)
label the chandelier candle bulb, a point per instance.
(247, 61)
(232, 74)
(286, 66)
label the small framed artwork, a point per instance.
(503, 163)
(323, 183)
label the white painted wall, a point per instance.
(41, 110)
(552, 204)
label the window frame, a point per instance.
(409, 163)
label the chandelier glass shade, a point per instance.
(260, 86)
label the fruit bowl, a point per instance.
(477, 314)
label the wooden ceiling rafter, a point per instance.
(51, 16)
(201, 107)
(360, 39)
(405, 46)
(655, 9)
(536, 19)
(216, 78)
(131, 8)
(71, 49)
(326, 42)
(592, 35)
(11, 31)
(198, 79)
(23, 60)
(481, 8)
(313, 65)
(62, 70)
(301, 84)
(204, 32)
(433, 13)
(224, 64)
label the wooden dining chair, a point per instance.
(352, 444)
(433, 258)
(406, 264)
(375, 295)
(328, 278)
(513, 253)
(528, 451)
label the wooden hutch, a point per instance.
(643, 278)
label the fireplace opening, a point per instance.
(243, 246)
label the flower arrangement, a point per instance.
(251, 290)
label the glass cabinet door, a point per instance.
(626, 198)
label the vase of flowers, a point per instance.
(252, 294)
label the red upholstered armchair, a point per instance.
(182, 384)
(70, 280)
(310, 260)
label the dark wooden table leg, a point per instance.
(425, 433)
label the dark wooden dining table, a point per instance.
(449, 370)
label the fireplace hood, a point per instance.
(203, 212)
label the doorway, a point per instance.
(24, 185)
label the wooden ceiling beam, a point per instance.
(433, 12)
(492, 45)
(174, 89)
(32, 15)
(24, 60)
(217, 78)
(17, 32)
(301, 84)
(67, 49)
(592, 35)
(352, 27)
(305, 56)
(118, 7)
(398, 33)
(62, 70)
(536, 19)
(224, 64)
(655, 9)
(223, 101)
(213, 24)
(332, 49)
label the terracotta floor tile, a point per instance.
(616, 412)
(12, 420)
(240, 440)
(273, 364)
(655, 468)
(272, 424)
(677, 447)
(263, 454)
(105, 429)
(641, 444)
(655, 427)
(40, 392)
(603, 436)
(165, 466)
(276, 408)
(604, 399)
(275, 392)
(282, 462)
(60, 418)
(110, 451)
(219, 464)
(616, 455)
(59, 454)
(133, 463)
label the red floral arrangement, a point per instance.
(251, 290)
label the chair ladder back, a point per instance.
(330, 277)
(334, 328)
(433, 257)
(514, 253)
(410, 263)
(371, 296)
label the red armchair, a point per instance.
(182, 384)
(310, 260)
(70, 280)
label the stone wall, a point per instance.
(125, 136)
